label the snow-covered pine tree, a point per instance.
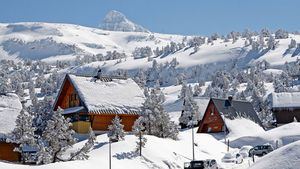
(23, 134)
(279, 86)
(293, 44)
(43, 113)
(189, 109)
(271, 43)
(43, 155)
(116, 131)
(281, 34)
(163, 126)
(157, 121)
(58, 136)
(197, 90)
(139, 131)
(183, 91)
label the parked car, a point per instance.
(244, 151)
(211, 164)
(201, 164)
(232, 157)
(260, 150)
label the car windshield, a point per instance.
(228, 155)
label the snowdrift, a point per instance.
(284, 157)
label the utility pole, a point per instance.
(140, 143)
(109, 143)
(193, 142)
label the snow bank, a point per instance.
(240, 127)
(158, 153)
(10, 107)
(286, 100)
(285, 157)
(284, 134)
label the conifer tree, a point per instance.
(116, 131)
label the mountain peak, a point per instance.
(116, 21)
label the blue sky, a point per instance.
(201, 17)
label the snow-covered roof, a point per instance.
(285, 100)
(10, 107)
(121, 96)
(202, 103)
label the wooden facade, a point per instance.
(284, 115)
(212, 121)
(7, 152)
(68, 98)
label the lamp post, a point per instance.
(193, 142)
(109, 147)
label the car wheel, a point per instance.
(263, 153)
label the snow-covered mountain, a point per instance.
(51, 42)
(116, 21)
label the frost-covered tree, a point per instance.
(183, 91)
(43, 112)
(115, 130)
(189, 109)
(57, 136)
(139, 131)
(4, 85)
(281, 34)
(40, 80)
(157, 121)
(265, 32)
(293, 44)
(23, 134)
(271, 43)
(197, 90)
(279, 86)
(142, 52)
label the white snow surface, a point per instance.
(286, 100)
(240, 127)
(119, 95)
(287, 157)
(10, 107)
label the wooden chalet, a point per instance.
(95, 101)
(218, 110)
(10, 107)
(285, 107)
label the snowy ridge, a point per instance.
(64, 42)
(116, 21)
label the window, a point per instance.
(212, 111)
(73, 100)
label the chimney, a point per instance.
(99, 74)
(228, 101)
(230, 98)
